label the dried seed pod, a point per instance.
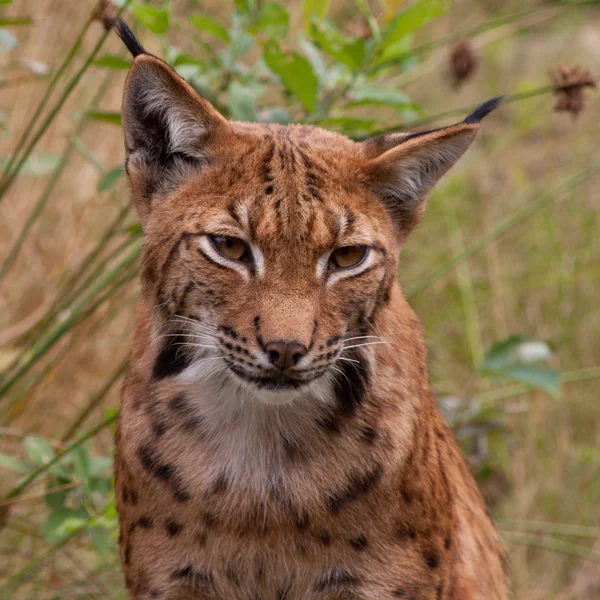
(463, 62)
(568, 87)
(105, 12)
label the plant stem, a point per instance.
(18, 489)
(510, 391)
(464, 110)
(10, 177)
(80, 310)
(72, 288)
(583, 531)
(554, 545)
(58, 171)
(15, 581)
(38, 111)
(95, 400)
(41, 326)
(518, 217)
(31, 383)
(473, 31)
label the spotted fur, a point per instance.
(336, 478)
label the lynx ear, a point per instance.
(170, 130)
(404, 167)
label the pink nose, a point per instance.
(285, 354)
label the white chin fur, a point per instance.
(319, 389)
(214, 378)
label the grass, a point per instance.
(509, 245)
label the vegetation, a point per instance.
(503, 270)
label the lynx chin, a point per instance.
(277, 438)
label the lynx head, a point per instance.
(268, 249)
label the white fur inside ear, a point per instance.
(415, 173)
(185, 130)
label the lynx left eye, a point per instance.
(348, 256)
(230, 247)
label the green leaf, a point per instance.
(5, 2)
(41, 452)
(515, 357)
(245, 6)
(273, 20)
(349, 125)
(209, 25)
(367, 95)
(56, 499)
(110, 61)
(135, 230)
(315, 58)
(187, 59)
(535, 376)
(314, 10)
(103, 543)
(81, 464)
(100, 465)
(397, 36)
(240, 101)
(7, 21)
(38, 449)
(155, 18)
(62, 521)
(39, 163)
(12, 463)
(350, 51)
(411, 18)
(516, 349)
(295, 73)
(105, 117)
(109, 179)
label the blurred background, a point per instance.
(503, 271)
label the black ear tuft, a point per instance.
(129, 39)
(484, 110)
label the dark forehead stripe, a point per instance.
(311, 181)
(291, 147)
(266, 166)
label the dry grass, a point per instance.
(541, 278)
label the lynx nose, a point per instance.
(285, 354)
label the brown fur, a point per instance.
(348, 487)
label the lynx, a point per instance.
(277, 438)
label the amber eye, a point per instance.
(348, 256)
(231, 247)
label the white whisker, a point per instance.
(208, 358)
(363, 337)
(194, 322)
(365, 344)
(340, 371)
(349, 359)
(188, 345)
(197, 336)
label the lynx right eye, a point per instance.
(231, 247)
(348, 256)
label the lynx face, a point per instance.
(275, 245)
(274, 258)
